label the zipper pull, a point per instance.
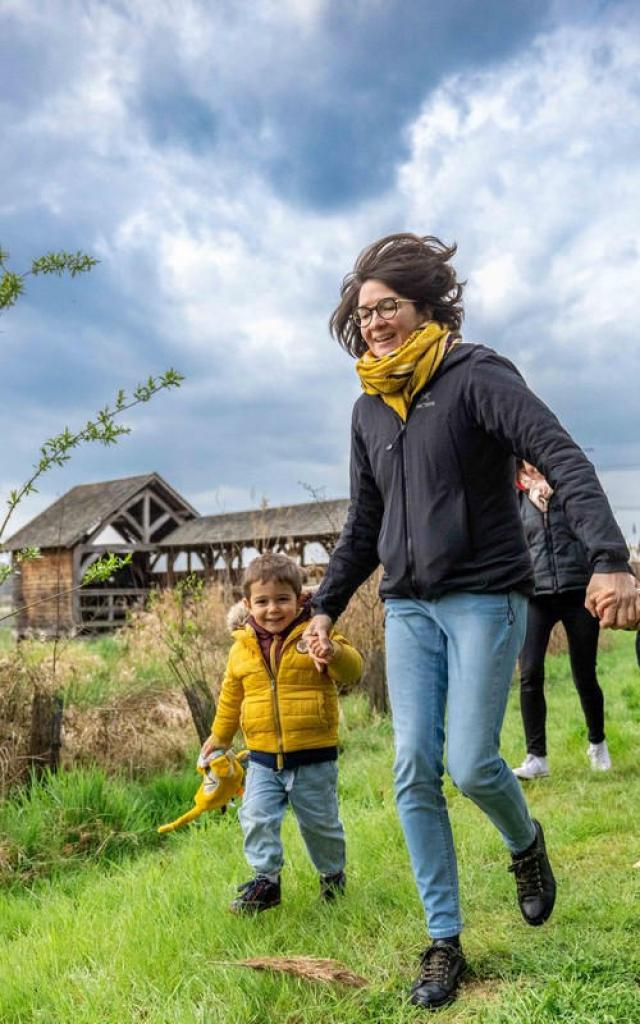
(393, 443)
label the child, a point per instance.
(288, 711)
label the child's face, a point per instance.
(273, 605)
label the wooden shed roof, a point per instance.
(311, 519)
(80, 511)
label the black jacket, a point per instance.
(434, 499)
(559, 558)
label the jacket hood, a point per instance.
(237, 616)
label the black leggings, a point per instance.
(582, 634)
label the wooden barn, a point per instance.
(133, 514)
(167, 538)
(224, 543)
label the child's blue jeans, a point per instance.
(455, 655)
(311, 789)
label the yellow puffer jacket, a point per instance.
(295, 708)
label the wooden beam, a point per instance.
(115, 591)
(160, 521)
(137, 527)
(167, 508)
(146, 516)
(117, 549)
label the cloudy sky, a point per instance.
(226, 161)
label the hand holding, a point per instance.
(318, 641)
(209, 748)
(614, 598)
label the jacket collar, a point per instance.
(251, 631)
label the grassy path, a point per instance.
(138, 941)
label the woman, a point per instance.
(560, 576)
(432, 498)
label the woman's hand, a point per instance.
(614, 598)
(318, 641)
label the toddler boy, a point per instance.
(288, 712)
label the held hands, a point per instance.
(614, 598)
(318, 641)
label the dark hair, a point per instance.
(279, 568)
(416, 267)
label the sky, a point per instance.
(226, 162)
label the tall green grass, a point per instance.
(63, 821)
(139, 932)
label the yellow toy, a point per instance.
(223, 780)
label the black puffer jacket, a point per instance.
(433, 499)
(558, 557)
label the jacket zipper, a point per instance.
(273, 674)
(405, 499)
(405, 495)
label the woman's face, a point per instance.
(384, 336)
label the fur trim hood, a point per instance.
(237, 616)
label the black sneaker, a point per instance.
(441, 967)
(258, 894)
(534, 880)
(332, 886)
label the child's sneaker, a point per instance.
(332, 886)
(258, 894)
(533, 767)
(598, 754)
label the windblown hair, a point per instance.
(276, 568)
(416, 267)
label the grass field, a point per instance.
(123, 926)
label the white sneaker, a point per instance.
(598, 754)
(532, 767)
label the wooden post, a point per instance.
(146, 517)
(374, 681)
(46, 731)
(76, 578)
(56, 732)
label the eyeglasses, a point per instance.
(385, 308)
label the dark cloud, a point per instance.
(341, 143)
(174, 116)
(325, 117)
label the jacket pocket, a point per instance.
(256, 718)
(302, 713)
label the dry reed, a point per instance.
(311, 968)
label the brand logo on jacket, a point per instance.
(426, 401)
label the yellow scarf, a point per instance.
(398, 376)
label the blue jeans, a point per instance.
(458, 653)
(311, 789)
